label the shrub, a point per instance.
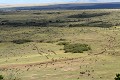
(76, 25)
(21, 41)
(1, 77)
(63, 43)
(39, 41)
(62, 39)
(76, 48)
(51, 41)
(117, 77)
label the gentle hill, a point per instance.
(67, 6)
(61, 18)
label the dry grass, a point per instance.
(100, 63)
(44, 59)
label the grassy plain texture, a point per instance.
(43, 59)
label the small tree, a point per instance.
(117, 77)
(1, 77)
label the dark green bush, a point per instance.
(76, 48)
(75, 25)
(117, 77)
(1, 77)
(63, 43)
(62, 39)
(41, 41)
(50, 41)
(21, 41)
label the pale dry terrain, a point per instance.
(24, 61)
(30, 50)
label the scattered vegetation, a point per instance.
(63, 43)
(21, 41)
(79, 18)
(76, 48)
(1, 77)
(104, 42)
(117, 77)
(87, 15)
(50, 41)
(62, 39)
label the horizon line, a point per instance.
(4, 5)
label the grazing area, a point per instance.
(73, 45)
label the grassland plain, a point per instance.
(43, 59)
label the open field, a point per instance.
(41, 58)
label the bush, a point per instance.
(117, 77)
(1, 77)
(21, 41)
(63, 43)
(75, 25)
(51, 41)
(62, 39)
(76, 48)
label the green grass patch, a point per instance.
(76, 48)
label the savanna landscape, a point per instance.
(60, 44)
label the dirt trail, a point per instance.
(37, 63)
